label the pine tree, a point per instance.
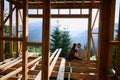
(56, 39)
(66, 43)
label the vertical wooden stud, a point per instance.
(106, 17)
(25, 39)
(10, 32)
(17, 32)
(46, 40)
(89, 33)
(117, 68)
(1, 29)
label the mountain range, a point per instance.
(35, 34)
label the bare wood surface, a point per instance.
(11, 64)
(11, 30)
(61, 70)
(118, 51)
(1, 30)
(53, 62)
(18, 70)
(46, 39)
(60, 16)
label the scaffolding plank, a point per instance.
(61, 70)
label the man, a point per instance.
(81, 53)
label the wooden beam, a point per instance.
(95, 50)
(111, 32)
(6, 60)
(34, 44)
(18, 46)
(12, 63)
(7, 76)
(25, 39)
(92, 26)
(116, 43)
(11, 39)
(106, 17)
(9, 16)
(117, 68)
(1, 29)
(45, 39)
(10, 30)
(77, 76)
(52, 56)
(54, 62)
(89, 34)
(8, 63)
(60, 16)
(60, 75)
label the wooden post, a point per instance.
(17, 32)
(117, 68)
(89, 33)
(10, 32)
(111, 34)
(1, 29)
(25, 37)
(106, 17)
(45, 40)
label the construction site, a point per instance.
(48, 66)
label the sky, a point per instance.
(74, 25)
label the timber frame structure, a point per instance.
(56, 67)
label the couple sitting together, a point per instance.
(77, 52)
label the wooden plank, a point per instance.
(116, 43)
(60, 16)
(95, 50)
(111, 32)
(117, 68)
(53, 54)
(5, 77)
(11, 39)
(8, 63)
(1, 30)
(61, 70)
(77, 76)
(12, 63)
(6, 19)
(106, 17)
(53, 62)
(18, 45)
(89, 33)
(34, 44)
(25, 40)
(39, 66)
(45, 40)
(10, 30)
(92, 26)
(6, 60)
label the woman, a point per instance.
(72, 52)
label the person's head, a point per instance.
(79, 45)
(74, 45)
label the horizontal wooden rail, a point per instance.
(77, 76)
(60, 16)
(117, 43)
(34, 44)
(10, 39)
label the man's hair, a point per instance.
(79, 44)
